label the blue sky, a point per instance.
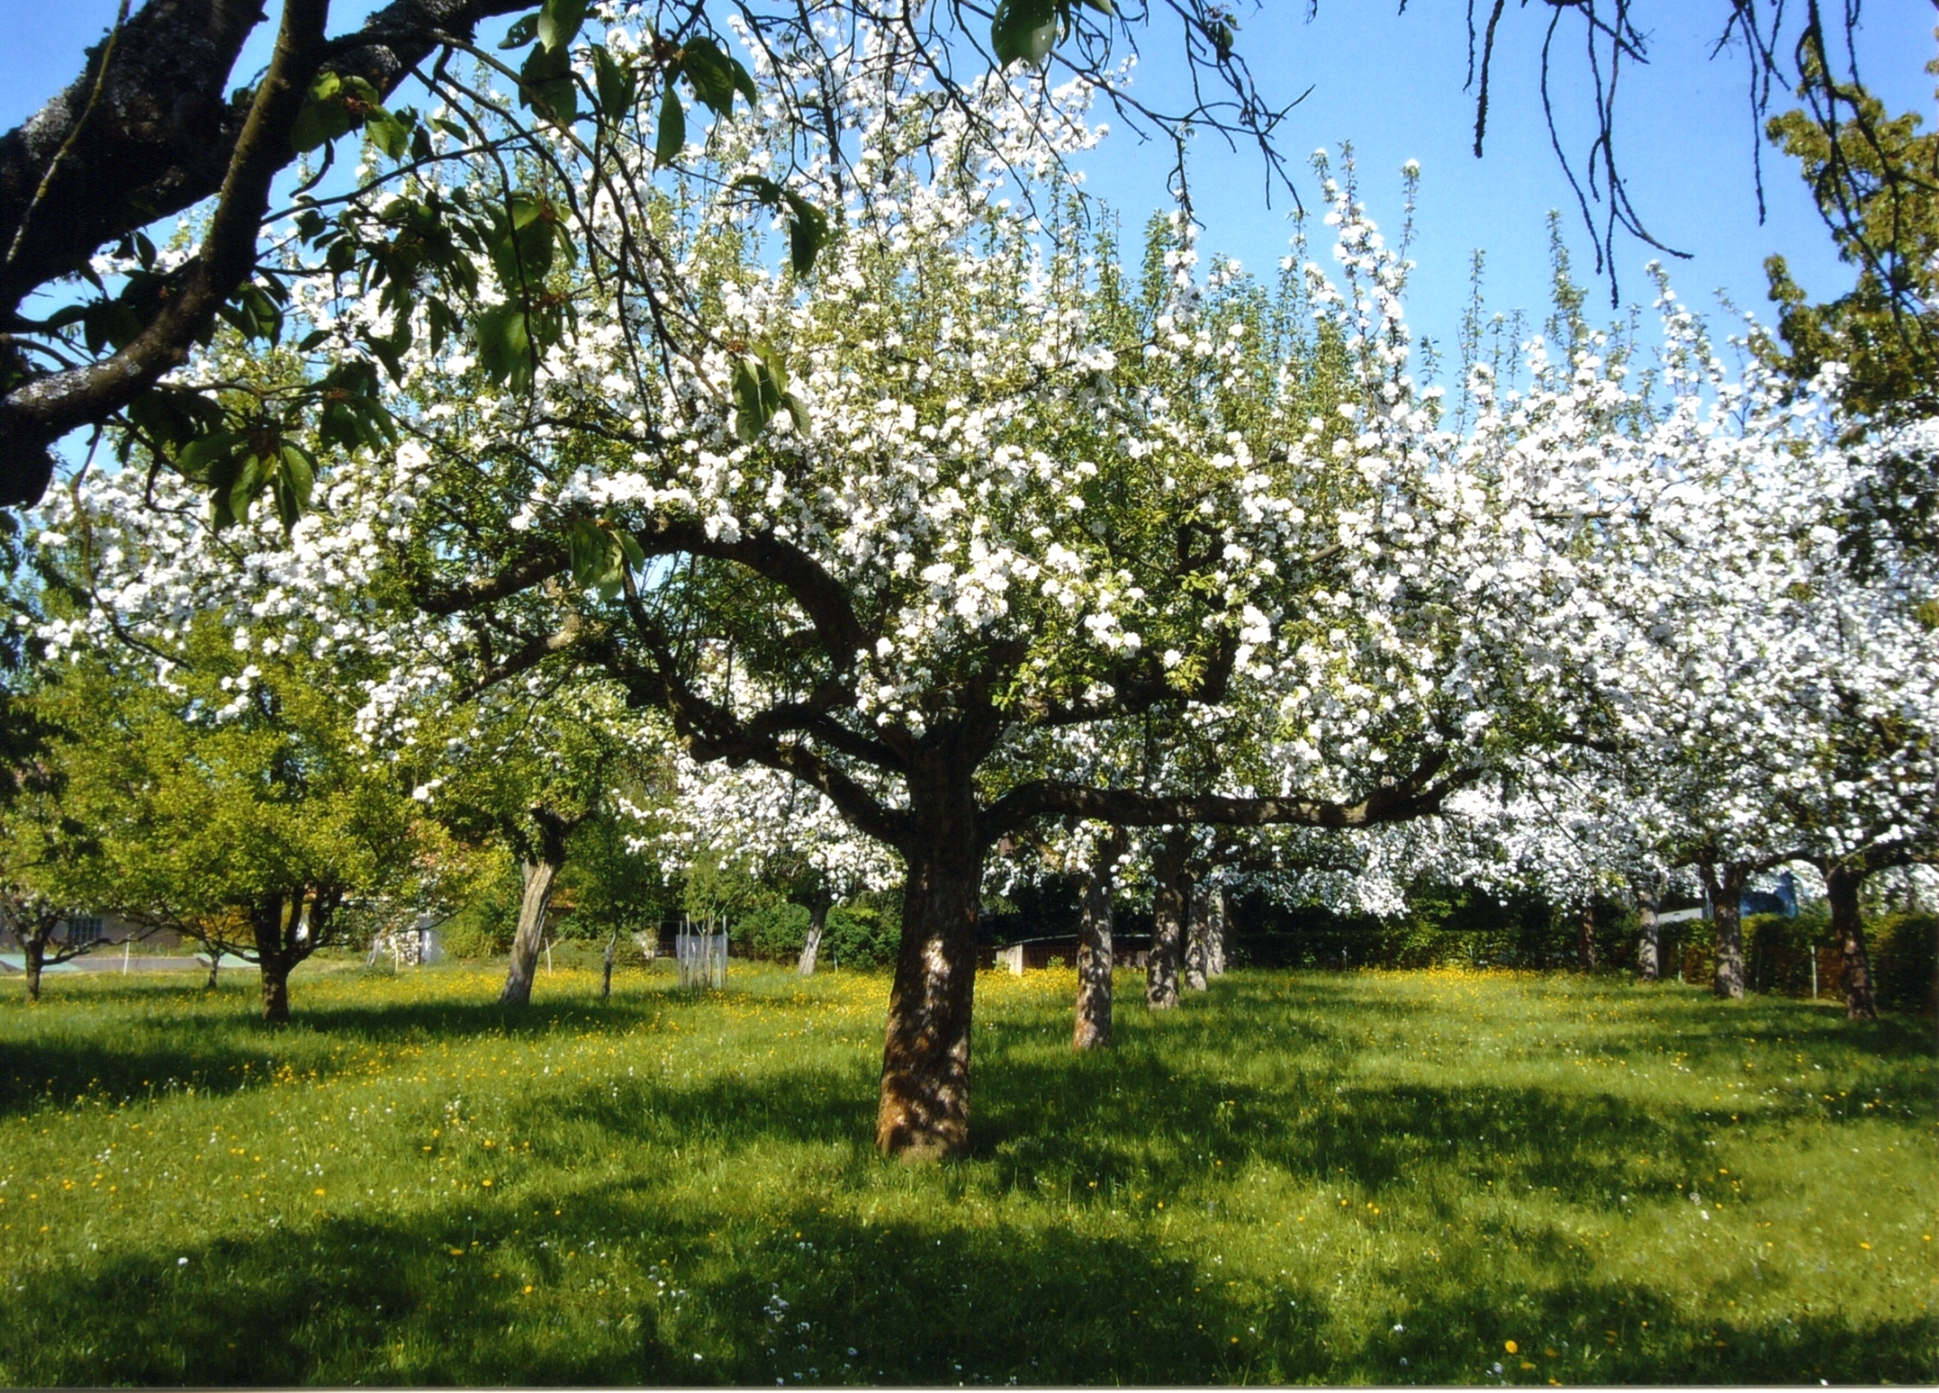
(1392, 84)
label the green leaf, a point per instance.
(388, 133)
(549, 85)
(777, 370)
(616, 85)
(757, 394)
(265, 318)
(295, 478)
(672, 136)
(711, 72)
(807, 232)
(198, 459)
(524, 208)
(797, 412)
(807, 224)
(1023, 29)
(589, 551)
(629, 547)
(524, 29)
(559, 22)
(744, 83)
(325, 116)
(64, 316)
(503, 335)
(561, 100)
(249, 482)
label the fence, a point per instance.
(701, 955)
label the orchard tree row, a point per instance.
(868, 467)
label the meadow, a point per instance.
(1399, 1178)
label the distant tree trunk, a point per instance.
(215, 965)
(1842, 884)
(276, 921)
(924, 1109)
(606, 975)
(1726, 886)
(1092, 1030)
(540, 870)
(1216, 923)
(1585, 938)
(35, 950)
(1197, 952)
(811, 945)
(1649, 898)
(1168, 902)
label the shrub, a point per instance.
(856, 935)
(1905, 961)
(861, 935)
(1777, 952)
(774, 931)
(484, 928)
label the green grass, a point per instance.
(1300, 1177)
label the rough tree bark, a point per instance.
(924, 1111)
(1649, 899)
(1726, 886)
(1585, 939)
(1217, 921)
(1842, 884)
(1197, 950)
(35, 953)
(1092, 1029)
(277, 922)
(540, 867)
(811, 945)
(1168, 903)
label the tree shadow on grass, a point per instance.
(188, 1037)
(1042, 1124)
(477, 1293)
(610, 1284)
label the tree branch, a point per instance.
(1417, 795)
(37, 413)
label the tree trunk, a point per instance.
(1215, 929)
(35, 952)
(924, 1113)
(274, 958)
(811, 945)
(606, 974)
(276, 991)
(1197, 954)
(215, 966)
(1649, 898)
(1092, 1030)
(1842, 884)
(539, 878)
(1726, 902)
(1168, 902)
(1585, 939)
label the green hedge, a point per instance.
(856, 935)
(1905, 961)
